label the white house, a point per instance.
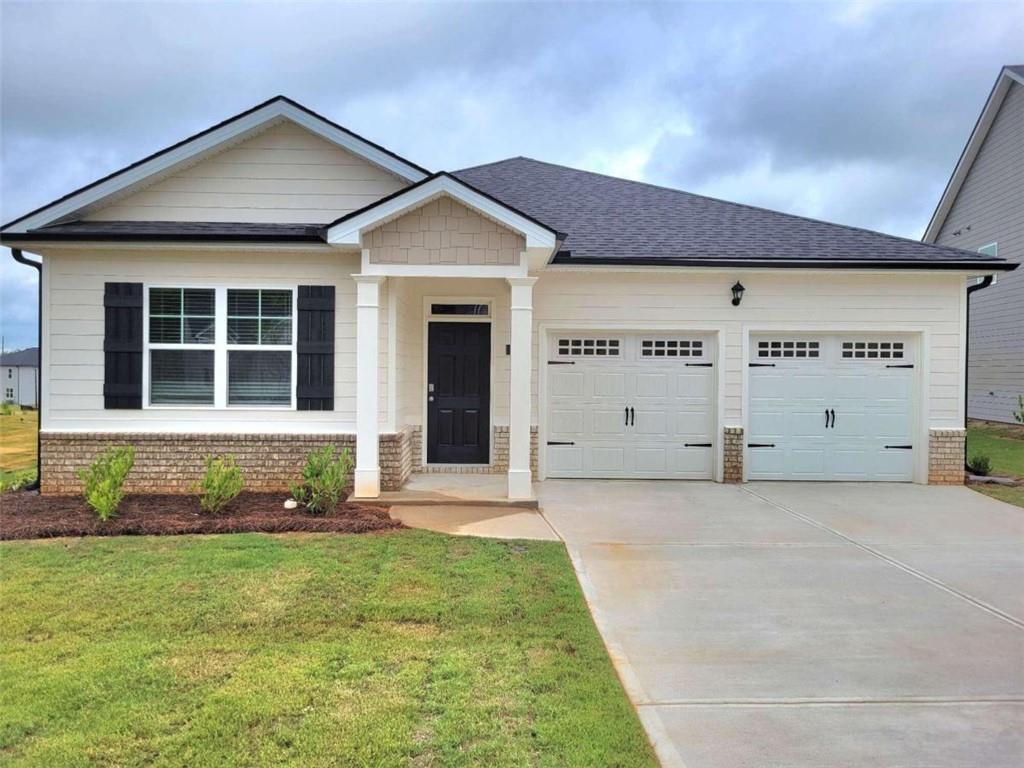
(277, 282)
(19, 377)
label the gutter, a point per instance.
(18, 257)
(971, 289)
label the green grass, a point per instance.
(18, 429)
(402, 649)
(1004, 445)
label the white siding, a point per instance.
(285, 174)
(991, 203)
(826, 301)
(73, 327)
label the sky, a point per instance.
(851, 112)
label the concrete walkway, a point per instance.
(805, 624)
(486, 521)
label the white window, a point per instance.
(992, 249)
(873, 350)
(588, 347)
(220, 347)
(671, 348)
(794, 349)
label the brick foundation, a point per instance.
(499, 455)
(173, 463)
(732, 455)
(946, 456)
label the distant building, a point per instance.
(19, 377)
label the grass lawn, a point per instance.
(1004, 445)
(407, 648)
(17, 444)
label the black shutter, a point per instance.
(314, 387)
(122, 345)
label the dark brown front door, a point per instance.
(458, 393)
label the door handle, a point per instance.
(826, 418)
(627, 415)
(632, 417)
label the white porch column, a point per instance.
(367, 473)
(520, 481)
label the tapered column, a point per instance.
(520, 480)
(367, 473)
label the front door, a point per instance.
(458, 393)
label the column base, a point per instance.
(520, 484)
(367, 483)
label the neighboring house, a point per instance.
(277, 282)
(19, 377)
(982, 210)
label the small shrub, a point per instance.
(220, 484)
(979, 464)
(1019, 413)
(15, 481)
(8, 408)
(324, 478)
(103, 480)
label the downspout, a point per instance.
(985, 283)
(18, 257)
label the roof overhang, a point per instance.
(348, 230)
(208, 142)
(1007, 77)
(975, 265)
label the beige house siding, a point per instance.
(285, 174)
(991, 203)
(797, 300)
(443, 231)
(73, 328)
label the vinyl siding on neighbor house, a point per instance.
(285, 174)
(991, 203)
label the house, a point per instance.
(277, 282)
(19, 377)
(982, 209)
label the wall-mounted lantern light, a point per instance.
(737, 293)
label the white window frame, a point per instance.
(220, 346)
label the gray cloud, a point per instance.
(853, 113)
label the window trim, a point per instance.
(220, 345)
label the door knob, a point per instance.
(430, 399)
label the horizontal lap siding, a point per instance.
(991, 203)
(73, 324)
(855, 302)
(284, 174)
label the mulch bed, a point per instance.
(25, 515)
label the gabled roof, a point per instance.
(615, 221)
(28, 358)
(1010, 74)
(347, 229)
(206, 142)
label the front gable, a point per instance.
(285, 174)
(443, 231)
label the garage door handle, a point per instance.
(908, 365)
(632, 417)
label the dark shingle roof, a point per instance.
(1017, 69)
(611, 220)
(172, 230)
(23, 357)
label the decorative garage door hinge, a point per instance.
(761, 365)
(699, 365)
(561, 442)
(900, 447)
(697, 445)
(561, 362)
(760, 445)
(904, 365)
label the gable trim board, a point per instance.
(1007, 77)
(205, 142)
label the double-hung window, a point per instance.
(182, 323)
(259, 347)
(221, 347)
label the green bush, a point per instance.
(979, 464)
(1019, 413)
(324, 479)
(16, 480)
(8, 408)
(103, 480)
(220, 484)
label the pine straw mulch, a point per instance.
(27, 515)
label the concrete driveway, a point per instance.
(805, 624)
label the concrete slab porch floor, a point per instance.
(443, 489)
(804, 624)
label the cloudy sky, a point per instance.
(850, 112)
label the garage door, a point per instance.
(831, 408)
(631, 405)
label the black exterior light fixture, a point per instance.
(737, 293)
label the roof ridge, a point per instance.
(733, 203)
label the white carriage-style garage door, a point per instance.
(831, 408)
(631, 405)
